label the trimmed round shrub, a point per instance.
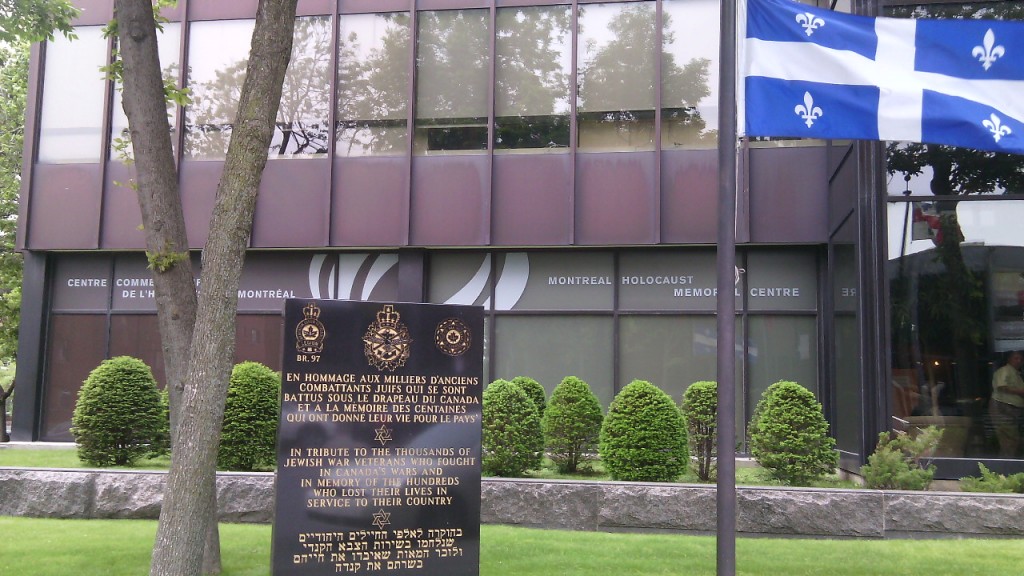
(571, 424)
(248, 439)
(534, 390)
(643, 437)
(512, 441)
(117, 418)
(700, 409)
(789, 435)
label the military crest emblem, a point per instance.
(310, 332)
(386, 342)
(452, 337)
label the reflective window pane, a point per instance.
(616, 55)
(453, 68)
(168, 41)
(673, 352)
(218, 55)
(373, 84)
(533, 53)
(71, 123)
(956, 280)
(781, 348)
(302, 119)
(689, 85)
(549, 348)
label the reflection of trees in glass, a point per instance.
(532, 77)
(452, 96)
(682, 89)
(120, 143)
(209, 117)
(302, 123)
(373, 84)
(617, 82)
(302, 126)
(944, 314)
(168, 41)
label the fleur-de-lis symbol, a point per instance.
(808, 111)
(810, 22)
(988, 52)
(996, 127)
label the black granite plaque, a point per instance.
(378, 457)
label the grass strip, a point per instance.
(44, 547)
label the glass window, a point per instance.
(168, 41)
(373, 84)
(218, 55)
(848, 425)
(684, 280)
(302, 127)
(616, 54)
(531, 99)
(546, 281)
(689, 74)
(957, 298)
(549, 348)
(460, 279)
(453, 68)
(71, 123)
(673, 352)
(781, 348)
(781, 279)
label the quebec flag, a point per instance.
(813, 73)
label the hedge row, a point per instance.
(645, 436)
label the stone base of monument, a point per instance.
(573, 505)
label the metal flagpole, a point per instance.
(726, 303)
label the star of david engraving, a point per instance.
(381, 519)
(382, 435)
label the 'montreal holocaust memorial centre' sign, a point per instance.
(378, 467)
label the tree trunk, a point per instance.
(198, 356)
(192, 477)
(163, 219)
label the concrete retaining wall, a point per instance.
(606, 506)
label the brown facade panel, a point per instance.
(135, 335)
(220, 10)
(368, 6)
(532, 200)
(843, 191)
(293, 207)
(788, 194)
(615, 199)
(122, 220)
(65, 207)
(370, 202)
(689, 197)
(450, 201)
(199, 181)
(94, 12)
(258, 339)
(76, 345)
(451, 4)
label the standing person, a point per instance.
(1007, 404)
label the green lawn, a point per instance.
(64, 458)
(34, 547)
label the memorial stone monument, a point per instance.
(378, 462)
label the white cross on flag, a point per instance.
(815, 73)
